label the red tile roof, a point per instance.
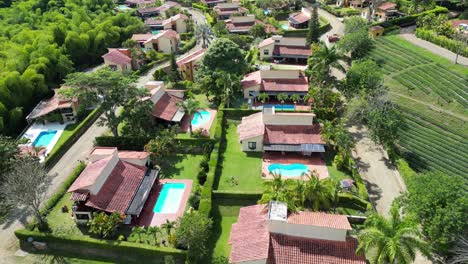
(117, 56)
(320, 219)
(166, 107)
(285, 85)
(117, 192)
(456, 23)
(292, 134)
(249, 237)
(47, 106)
(251, 126)
(387, 6)
(133, 154)
(251, 79)
(142, 37)
(245, 26)
(191, 57)
(292, 50)
(299, 17)
(266, 42)
(292, 250)
(89, 175)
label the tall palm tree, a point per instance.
(190, 107)
(317, 192)
(391, 241)
(333, 187)
(205, 34)
(282, 97)
(169, 226)
(322, 60)
(229, 83)
(280, 190)
(154, 231)
(138, 231)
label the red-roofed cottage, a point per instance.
(300, 19)
(177, 23)
(212, 3)
(270, 236)
(242, 24)
(158, 10)
(285, 49)
(120, 60)
(273, 82)
(385, 11)
(188, 64)
(165, 102)
(280, 132)
(48, 109)
(165, 41)
(226, 10)
(113, 181)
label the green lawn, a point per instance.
(432, 93)
(62, 223)
(181, 166)
(241, 171)
(224, 213)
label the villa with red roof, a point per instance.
(65, 107)
(137, 3)
(165, 102)
(113, 181)
(188, 64)
(268, 235)
(226, 10)
(159, 10)
(177, 23)
(120, 60)
(165, 41)
(301, 19)
(285, 49)
(242, 24)
(212, 3)
(273, 82)
(385, 11)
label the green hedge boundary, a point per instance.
(200, 6)
(188, 45)
(303, 32)
(448, 43)
(340, 13)
(116, 250)
(57, 153)
(411, 19)
(217, 194)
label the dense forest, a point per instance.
(41, 41)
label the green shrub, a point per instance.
(188, 45)
(59, 150)
(209, 19)
(443, 41)
(119, 251)
(186, 36)
(405, 170)
(230, 113)
(201, 177)
(227, 194)
(200, 6)
(411, 19)
(351, 201)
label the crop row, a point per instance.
(436, 161)
(445, 71)
(433, 149)
(396, 47)
(450, 76)
(404, 58)
(425, 122)
(402, 63)
(395, 66)
(387, 67)
(411, 79)
(457, 88)
(417, 74)
(429, 132)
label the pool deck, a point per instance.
(36, 128)
(314, 162)
(298, 107)
(184, 125)
(149, 218)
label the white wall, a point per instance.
(270, 49)
(165, 45)
(257, 139)
(301, 119)
(106, 171)
(280, 74)
(250, 89)
(158, 94)
(308, 231)
(140, 162)
(181, 26)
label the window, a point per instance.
(252, 145)
(277, 41)
(84, 216)
(266, 52)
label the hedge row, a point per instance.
(185, 146)
(188, 45)
(59, 150)
(214, 163)
(146, 67)
(358, 203)
(200, 6)
(232, 113)
(119, 251)
(411, 19)
(443, 41)
(340, 12)
(218, 194)
(303, 32)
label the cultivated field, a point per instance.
(433, 94)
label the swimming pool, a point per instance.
(155, 32)
(169, 198)
(123, 7)
(284, 26)
(200, 118)
(282, 107)
(44, 138)
(288, 170)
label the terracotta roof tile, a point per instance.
(292, 50)
(117, 192)
(141, 37)
(166, 107)
(292, 134)
(133, 154)
(251, 79)
(191, 57)
(292, 250)
(89, 175)
(320, 219)
(285, 85)
(299, 18)
(116, 56)
(251, 126)
(266, 42)
(387, 6)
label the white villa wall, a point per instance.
(158, 94)
(280, 74)
(257, 139)
(101, 179)
(251, 89)
(308, 231)
(140, 162)
(166, 45)
(303, 119)
(181, 26)
(268, 48)
(292, 41)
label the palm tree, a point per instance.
(263, 97)
(204, 33)
(279, 190)
(317, 192)
(169, 226)
(393, 240)
(299, 191)
(333, 187)
(229, 83)
(190, 107)
(322, 60)
(295, 98)
(138, 231)
(282, 97)
(154, 231)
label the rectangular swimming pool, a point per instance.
(282, 107)
(44, 138)
(169, 198)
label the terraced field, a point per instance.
(433, 94)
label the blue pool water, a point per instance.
(201, 118)
(288, 170)
(284, 26)
(123, 7)
(155, 32)
(44, 138)
(169, 198)
(281, 107)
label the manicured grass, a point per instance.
(62, 223)
(181, 166)
(241, 171)
(432, 93)
(224, 213)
